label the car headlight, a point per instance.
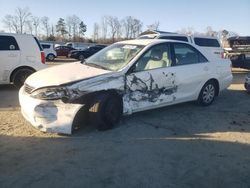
(52, 93)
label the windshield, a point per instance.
(114, 57)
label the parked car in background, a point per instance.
(247, 83)
(78, 45)
(207, 44)
(63, 50)
(83, 54)
(49, 51)
(146, 74)
(238, 50)
(20, 56)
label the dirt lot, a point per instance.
(178, 146)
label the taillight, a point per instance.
(43, 57)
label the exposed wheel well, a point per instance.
(17, 69)
(80, 117)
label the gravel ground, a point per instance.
(177, 146)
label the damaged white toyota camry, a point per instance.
(124, 78)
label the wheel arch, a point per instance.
(19, 68)
(217, 85)
(80, 116)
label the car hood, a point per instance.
(63, 74)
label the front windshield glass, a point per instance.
(114, 57)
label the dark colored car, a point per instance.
(83, 54)
(238, 50)
(63, 50)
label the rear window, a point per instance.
(45, 46)
(8, 43)
(40, 47)
(180, 38)
(206, 42)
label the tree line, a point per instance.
(72, 28)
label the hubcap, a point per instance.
(51, 57)
(208, 93)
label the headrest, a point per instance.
(156, 54)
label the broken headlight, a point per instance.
(53, 93)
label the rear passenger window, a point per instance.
(186, 54)
(206, 42)
(8, 43)
(175, 38)
(45, 46)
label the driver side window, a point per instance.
(156, 57)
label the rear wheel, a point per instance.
(81, 57)
(20, 77)
(207, 94)
(51, 57)
(105, 111)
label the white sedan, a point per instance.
(145, 74)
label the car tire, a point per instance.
(50, 57)
(81, 57)
(20, 77)
(247, 87)
(207, 94)
(105, 111)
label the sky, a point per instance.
(173, 15)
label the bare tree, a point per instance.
(18, 21)
(154, 26)
(127, 24)
(36, 23)
(104, 26)
(45, 24)
(22, 15)
(11, 22)
(72, 23)
(96, 31)
(210, 32)
(29, 27)
(114, 26)
(8, 22)
(136, 28)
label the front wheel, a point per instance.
(20, 77)
(105, 111)
(207, 94)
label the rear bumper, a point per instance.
(48, 116)
(226, 82)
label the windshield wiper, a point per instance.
(95, 65)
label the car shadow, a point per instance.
(8, 96)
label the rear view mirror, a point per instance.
(12, 47)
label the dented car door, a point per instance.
(151, 83)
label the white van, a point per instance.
(20, 56)
(209, 45)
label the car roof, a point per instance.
(15, 34)
(146, 42)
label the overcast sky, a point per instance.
(173, 15)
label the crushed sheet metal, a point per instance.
(146, 89)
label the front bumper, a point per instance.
(48, 116)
